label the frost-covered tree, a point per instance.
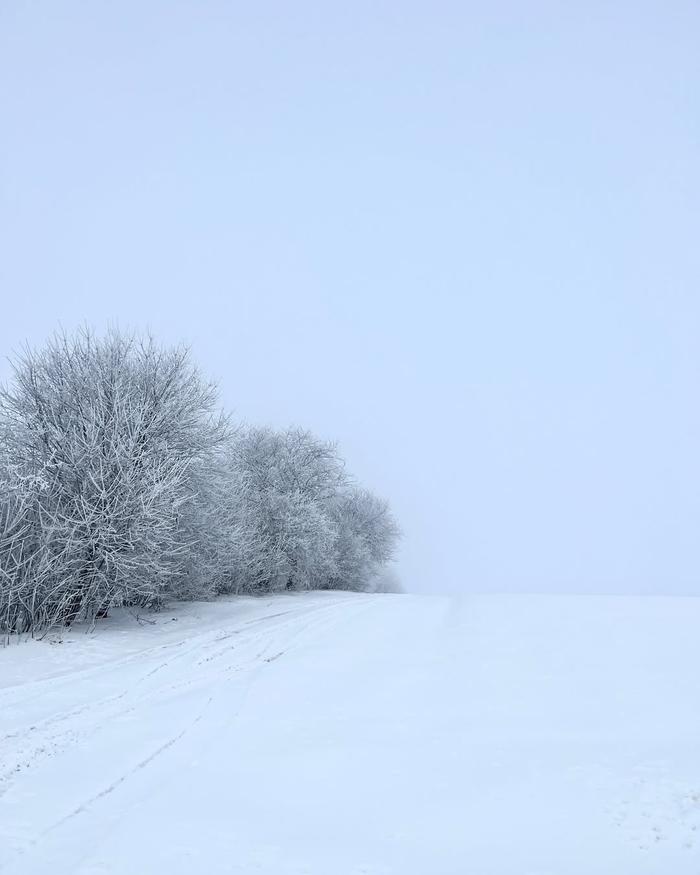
(226, 553)
(366, 538)
(103, 441)
(289, 479)
(25, 571)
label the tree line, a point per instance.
(122, 482)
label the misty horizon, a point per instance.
(460, 241)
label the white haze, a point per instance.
(459, 238)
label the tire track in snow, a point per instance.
(28, 745)
(83, 807)
(281, 637)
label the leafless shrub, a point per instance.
(121, 483)
(101, 441)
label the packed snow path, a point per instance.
(339, 734)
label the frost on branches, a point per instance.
(121, 482)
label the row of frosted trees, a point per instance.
(122, 483)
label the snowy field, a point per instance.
(339, 734)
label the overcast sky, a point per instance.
(461, 238)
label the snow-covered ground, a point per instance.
(339, 734)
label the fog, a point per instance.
(461, 239)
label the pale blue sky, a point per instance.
(461, 238)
